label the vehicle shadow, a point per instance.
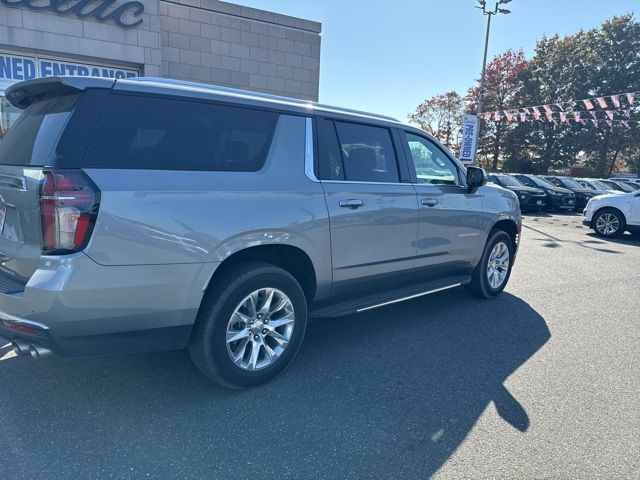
(626, 239)
(387, 394)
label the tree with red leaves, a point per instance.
(502, 81)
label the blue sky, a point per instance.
(388, 56)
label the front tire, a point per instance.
(609, 223)
(494, 269)
(250, 326)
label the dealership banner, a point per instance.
(469, 139)
(612, 110)
(15, 68)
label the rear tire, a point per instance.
(609, 223)
(238, 305)
(492, 273)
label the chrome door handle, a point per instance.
(351, 203)
(429, 202)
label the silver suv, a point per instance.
(147, 214)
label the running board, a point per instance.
(383, 299)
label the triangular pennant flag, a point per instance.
(527, 111)
(609, 114)
(547, 109)
(536, 113)
(588, 105)
(497, 116)
(559, 105)
(616, 100)
(609, 122)
(486, 116)
(630, 98)
(625, 123)
(509, 116)
(563, 117)
(595, 122)
(583, 122)
(550, 117)
(576, 116)
(523, 117)
(602, 102)
(594, 115)
(627, 113)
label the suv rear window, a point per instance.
(34, 135)
(157, 133)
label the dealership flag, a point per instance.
(616, 100)
(523, 117)
(487, 116)
(602, 102)
(625, 123)
(576, 116)
(496, 116)
(588, 104)
(630, 98)
(609, 114)
(563, 117)
(593, 114)
(595, 122)
(550, 117)
(536, 113)
(609, 122)
(547, 109)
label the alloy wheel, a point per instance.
(498, 265)
(607, 224)
(260, 329)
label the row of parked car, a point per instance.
(551, 192)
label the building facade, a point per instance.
(198, 40)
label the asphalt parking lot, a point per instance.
(542, 382)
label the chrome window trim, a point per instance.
(367, 183)
(309, 169)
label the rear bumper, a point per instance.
(74, 306)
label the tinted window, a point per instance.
(34, 135)
(525, 180)
(330, 159)
(367, 153)
(155, 133)
(431, 164)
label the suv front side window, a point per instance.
(431, 164)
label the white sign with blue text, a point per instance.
(15, 68)
(469, 139)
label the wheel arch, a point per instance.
(292, 259)
(510, 227)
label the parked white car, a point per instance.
(612, 215)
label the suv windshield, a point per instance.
(33, 136)
(541, 182)
(509, 181)
(570, 183)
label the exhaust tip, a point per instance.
(38, 352)
(20, 347)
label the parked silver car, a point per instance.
(147, 214)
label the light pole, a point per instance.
(489, 14)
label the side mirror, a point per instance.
(476, 177)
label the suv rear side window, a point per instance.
(367, 153)
(34, 135)
(166, 134)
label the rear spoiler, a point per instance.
(23, 94)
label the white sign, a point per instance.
(15, 68)
(469, 139)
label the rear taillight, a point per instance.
(69, 205)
